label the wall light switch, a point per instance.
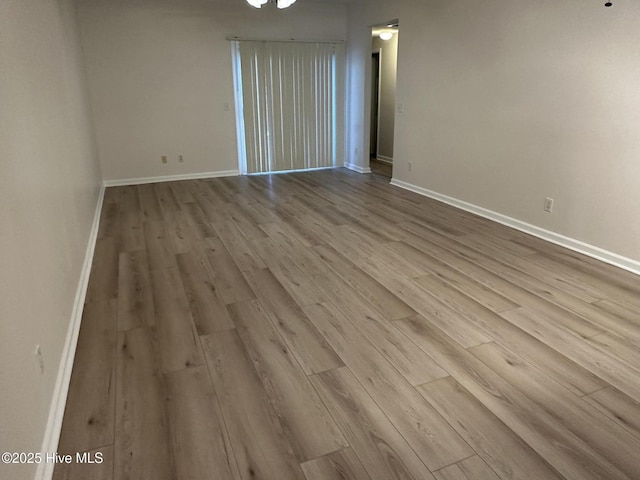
(39, 360)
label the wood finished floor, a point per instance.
(327, 326)
(381, 168)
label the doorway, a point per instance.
(375, 102)
(384, 63)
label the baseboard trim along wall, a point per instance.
(170, 178)
(383, 159)
(570, 243)
(357, 168)
(61, 389)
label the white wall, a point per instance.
(160, 75)
(506, 103)
(388, 70)
(49, 186)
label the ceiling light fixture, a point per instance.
(386, 36)
(279, 3)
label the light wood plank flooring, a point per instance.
(327, 325)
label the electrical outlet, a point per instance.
(548, 205)
(39, 359)
(357, 151)
(410, 166)
(164, 159)
(180, 159)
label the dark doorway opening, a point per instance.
(375, 102)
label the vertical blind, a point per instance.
(286, 98)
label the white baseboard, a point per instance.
(383, 159)
(576, 245)
(61, 389)
(170, 178)
(357, 168)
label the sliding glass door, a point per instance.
(286, 105)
